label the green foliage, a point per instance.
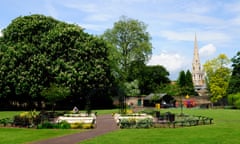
(189, 83)
(136, 123)
(37, 51)
(153, 78)
(26, 119)
(234, 99)
(234, 81)
(22, 121)
(170, 89)
(218, 75)
(5, 121)
(182, 79)
(132, 88)
(131, 41)
(48, 125)
(185, 83)
(55, 93)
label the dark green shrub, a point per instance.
(6, 121)
(46, 125)
(26, 119)
(144, 123)
(21, 121)
(234, 99)
(49, 125)
(124, 123)
(133, 123)
(64, 125)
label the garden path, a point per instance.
(105, 124)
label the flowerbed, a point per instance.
(134, 120)
(50, 120)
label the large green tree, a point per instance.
(189, 83)
(234, 83)
(37, 51)
(131, 42)
(152, 79)
(182, 82)
(217, 76)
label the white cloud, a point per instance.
(207, 50)
(1, 34)
(206, 36)
(172, 62)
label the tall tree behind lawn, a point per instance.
(152, 79)
(217, 76)
(182, 83)
(189, 83)
(37, 51)
(182, 87)
(185, 83)
(234, 83)
(131, 41)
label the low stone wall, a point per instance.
(119, 117)
(77, 118)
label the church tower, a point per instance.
(197, 73)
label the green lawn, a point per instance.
(9, 114)
(225, 130)
(24, 135)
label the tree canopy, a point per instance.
(37, 51)
(218, 74)
(131, 42)
(153, 78)
(234, 81)
(185, 83)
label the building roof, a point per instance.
(151, 95)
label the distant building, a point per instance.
(197, 73)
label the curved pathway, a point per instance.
(105, 124)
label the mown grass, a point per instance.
(9, 114)
(225, 130)
(25, 135)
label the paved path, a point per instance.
(105, 124)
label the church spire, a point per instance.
(196, 60)
(197, 74)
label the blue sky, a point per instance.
(172, 24)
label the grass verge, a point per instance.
(225, 130)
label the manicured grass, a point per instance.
(110, 111)
(225, 130)
(24, 135)
(9, 114)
